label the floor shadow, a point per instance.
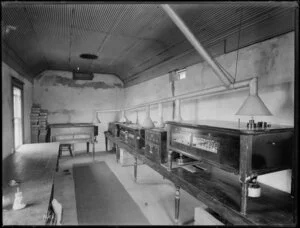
(10, 207)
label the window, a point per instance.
(181, 74)
(177, 75)
(17, 92)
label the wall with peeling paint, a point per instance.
(272, 61)
(7, 109)
(74, 101)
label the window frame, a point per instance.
(15, 82)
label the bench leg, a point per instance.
(117, 153)
(70, 149)
(170, 160)
(105, 143)
(177, 203)
(93, 151)
(135, 168)
(59, 152)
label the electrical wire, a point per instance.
(238, 45)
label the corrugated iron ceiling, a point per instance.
(129, 39)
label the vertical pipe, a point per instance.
(160, 116)
(177, 111)
(173, 94)
(137, 118)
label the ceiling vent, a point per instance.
(88, 56)
(82, 76)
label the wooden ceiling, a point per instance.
(135, 42)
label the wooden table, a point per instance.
(34, 166)
(221, 195)
(70, 133)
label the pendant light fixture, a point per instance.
(123, 117)
(253, 105)
(148, 122)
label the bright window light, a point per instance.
(181, 74)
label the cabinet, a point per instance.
(244, 152)
(133, 135)
(156, 145)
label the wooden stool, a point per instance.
(63, 147)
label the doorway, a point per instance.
(17, 91)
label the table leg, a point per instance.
(105, 143)
(94, 151)
(117, 153)
(73, 148)
(244, 197)
(87, 147)
(177, 203)
(135, 168)
(70, 149)
(170, 160)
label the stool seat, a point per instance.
(64, 147)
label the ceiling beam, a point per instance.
(224, 76)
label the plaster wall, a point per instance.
(7, 109)
(272, 61)
(69, 101)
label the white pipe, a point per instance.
(223, 76)
(110, 110)
(203, 92)
(177, 111)
(253, 87)
(160, 116)
(137, 118)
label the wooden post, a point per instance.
(177, 203)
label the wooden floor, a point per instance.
(34, 166)
(153, 194)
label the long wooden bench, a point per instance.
(273, 208)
